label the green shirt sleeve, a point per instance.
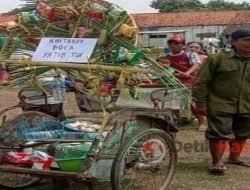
(204, 79)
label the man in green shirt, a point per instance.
(222, 93)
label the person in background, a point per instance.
(221, 92)
(184, 63)
(197, 47)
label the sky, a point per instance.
(132, 6)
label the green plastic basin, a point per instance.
(72, 164)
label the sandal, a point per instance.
(239, 163)
(217, 170)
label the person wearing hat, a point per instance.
(222, 93)
(184, 63)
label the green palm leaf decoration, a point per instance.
(116, 53)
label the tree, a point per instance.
(177, 5)
(196, 5)
(216, 5)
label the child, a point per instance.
(185, 63)
(197, 47)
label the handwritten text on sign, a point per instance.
(76, 50)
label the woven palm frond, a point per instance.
(116, 53)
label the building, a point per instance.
(7, 18)
(156, 27)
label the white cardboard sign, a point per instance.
(76, 50)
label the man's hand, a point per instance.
(198, 111)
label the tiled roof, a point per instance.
(7, 18)
(206, 18)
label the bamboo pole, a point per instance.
(117, 69)
(137, 35)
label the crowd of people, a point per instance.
(220, 93)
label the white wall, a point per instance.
(190, 34)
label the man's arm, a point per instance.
(201, 85)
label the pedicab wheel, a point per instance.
(11, 134)
(145, 162)
(17, 181)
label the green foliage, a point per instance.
(196, 5)
(216, 5)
